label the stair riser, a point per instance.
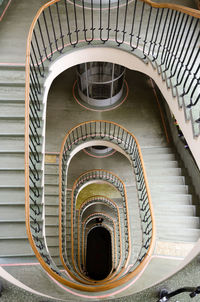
(170, 180)
(155, 171)
(15, 247)
(12, 212)
(13, 229)
(161, 164)
(179, 189)
(12, 143)
(177, 211)
(179, 235)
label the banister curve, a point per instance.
(180, 8)
(188, 11)
(72, 199)
(61, 189)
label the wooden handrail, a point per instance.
(72, 237)
(180, 8)
(151, 247)
(192, 12)
(125, 198)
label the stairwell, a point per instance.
(174, 201)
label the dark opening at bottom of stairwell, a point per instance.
(99, 255)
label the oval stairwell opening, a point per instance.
(98, 253)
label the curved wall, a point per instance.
(124, 58)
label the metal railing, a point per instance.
(97, 175)
(118, 137)
(165, 35)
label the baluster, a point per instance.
(34, 74)
(40, 55)
(84, 23)
(48, 36)
(146, 33)
(132, 34)
(60, 28)
(43, 43)
(108, 27)
(167, 36)
(163, 25)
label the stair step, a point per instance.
(171, 198)
(161, 164)
(52, 179)
(12, 143)
(52, 169)
(52, 220)
(156, 150)
(12, 76)
(11, 211)
(51, 210)
(12, 109)
(12, 194)
(20, 258)
(167, 171)
(51, 230)
(50, 189)
(12, 93)
(177, 210)
(160, 157)
(13, 229)
(12, 177)
(178, 235)
(164, 188)
(52, 199)
(11, 160)
(178, 221)
(14, 126)
(15, 247)
(54, 251)
(52, 240)
(179, 180)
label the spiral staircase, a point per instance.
(142, 195)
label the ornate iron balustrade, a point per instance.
(121, 139)
(97, 175)
(171, 46)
